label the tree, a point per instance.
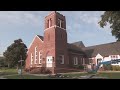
(113, 18)
(15, 52)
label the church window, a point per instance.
(50, 22)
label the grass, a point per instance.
(6, 71)
(110, 75)
(12, 72)
(26, 77)
(30, 77)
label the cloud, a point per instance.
(81, 25)
(21, 17)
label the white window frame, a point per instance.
(113, 56)
(31, 58)
(60, 22)
(75, 60)
(83, 61)
(35, 55)
(40, 59)
(62, 62)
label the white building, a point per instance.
(103, 52)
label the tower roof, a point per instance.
(53, 12)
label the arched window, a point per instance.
(40, 57)
(62, 23)
(50, 22)
(47, 23)
(36, 55)
(59, 22)
(61, 59)
(31, 58)
(75, 60)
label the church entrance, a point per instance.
(49, 61)
(99, 60)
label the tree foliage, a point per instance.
(15, 52)
(113, 18)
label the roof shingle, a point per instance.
(103, 49)
(41, 37)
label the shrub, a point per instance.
(48, 71)
(116, 68)
(107, 67)
(35, 71)
(78, 67)
(81, 67)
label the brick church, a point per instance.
(53, 53)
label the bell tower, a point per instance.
(55, 40)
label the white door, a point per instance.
(49, 61)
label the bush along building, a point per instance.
(52, 54)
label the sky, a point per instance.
(81, 26)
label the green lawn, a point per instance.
(3, 72)
(109, 75)
(6, 71)
(26, 77)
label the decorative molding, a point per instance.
(33, 41)
(54, 27)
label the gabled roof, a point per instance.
(74, 48)
(38, 36)
(79, 44)
(41, 37)
(103, 49)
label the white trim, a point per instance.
(35, 62)
(39, 39)
(91, 58)
(39, 57)
(32, 59)
(75, 60)
(98, 56)
(55, 27)
(76, 53)
(61, 28)
(62, 59)
(33, 41)
(39, 66)
(49, 61)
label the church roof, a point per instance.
(79, 44)
(103, 49)
(74, 48)
(41, 37)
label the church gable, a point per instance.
(37, 41)
(34, 52)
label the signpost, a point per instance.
(20, 70)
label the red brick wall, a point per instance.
(37, 42)
(71, 59)
(55, 44)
